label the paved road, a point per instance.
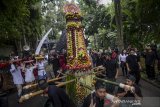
(151, 97)
(151, 94)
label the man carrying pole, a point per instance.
(111, 72)
(100, 97)
(130, 96)
(57, 96)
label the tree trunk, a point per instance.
(95, 41)
(21, 48)
(118, 17)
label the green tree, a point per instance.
(19, 19)
(140, 21)
(53, 16)
(96, 21)
(118, 18)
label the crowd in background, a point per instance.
(27, 70)
(129, 59)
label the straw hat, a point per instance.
(40, 57)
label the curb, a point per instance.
(154, 84)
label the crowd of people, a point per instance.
(28, 70)
(129, 60)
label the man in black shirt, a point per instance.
(131, 94)
(99, 60)
(158, 63)
(111, 67)
(94, 57)
(96, 99)
(55, 64)
(111, 71)
(150, 58)
(133, 65)
(57, 96)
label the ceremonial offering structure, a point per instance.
(77, 56)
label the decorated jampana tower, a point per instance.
(77, 57)
(78, 61)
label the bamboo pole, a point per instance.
(121, 85)
(32, 94)
(65, 83)
(55, 79)
(51, 80)
(107, 81)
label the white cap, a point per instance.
(109, 97)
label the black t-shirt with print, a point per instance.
(111, 68)
(132, 61)
(87, 100)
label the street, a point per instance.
(150, 93)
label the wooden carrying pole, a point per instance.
(121, 85)
(51, 80)
(106, 81)
(30, 95)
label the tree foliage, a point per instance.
(53, 16)
(32, 18)
(19, 19)
(140, 21)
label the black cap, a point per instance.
(132, 78)
(42, 83)
(99, 85)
